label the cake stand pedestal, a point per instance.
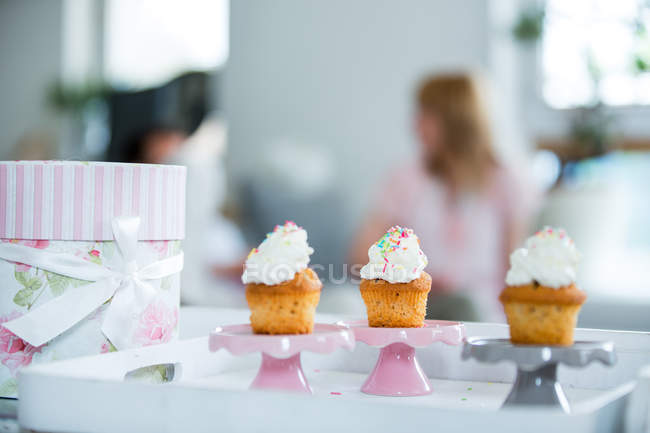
(536, 382)
(397, 372)
(281, 368)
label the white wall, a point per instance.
(341, 74)
(30, 59)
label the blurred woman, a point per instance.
(468, 210)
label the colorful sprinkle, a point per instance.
(391, 241)
(551, 232)
(335, 393)
(285, 229)
(288, 227)
(463, 399)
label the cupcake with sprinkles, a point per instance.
(281, 290)
(541, 299)
(394, 286)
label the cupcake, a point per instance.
(282, 292)
(541, 299)
(394, 286)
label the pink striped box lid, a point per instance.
(71, 200)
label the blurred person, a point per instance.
(214, 247)
(35, 145)
(155, 144)
(467, 208)
(214, 243)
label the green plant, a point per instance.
(67, 97)
(530, 25)
(591, 130)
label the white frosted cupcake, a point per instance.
(282, 292)
(394, 285)
(541, 299)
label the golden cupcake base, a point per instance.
(542, 315)
(396, 305)
(286, 308)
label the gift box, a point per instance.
(90, 256)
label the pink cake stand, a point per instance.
(397, 372)
(281, 368)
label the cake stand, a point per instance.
(397, 371)
(281, 368)
(536, 382)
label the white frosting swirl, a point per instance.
(549, 257)
(396, 257)
(279, 257)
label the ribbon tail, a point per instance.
(63, 263)
(124, 310)
(162, 268)
(49, 320)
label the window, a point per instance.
(596, 51)
(150, 41)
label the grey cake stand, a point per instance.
(536, 382)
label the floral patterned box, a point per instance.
(67, 210)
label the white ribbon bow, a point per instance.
(129, 289)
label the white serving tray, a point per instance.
(209, 391)
(637, 416)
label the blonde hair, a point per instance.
(466, 159)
